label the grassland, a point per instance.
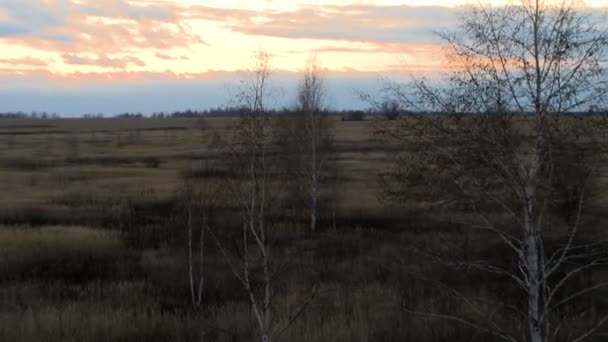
(92, 249)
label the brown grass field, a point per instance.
(91, 244)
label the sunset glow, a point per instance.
(71, 42)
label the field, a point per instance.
(92, 242)
(56, 166)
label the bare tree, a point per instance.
(199, 195)
(256, 192)
(313, 132)
(255, 90)
(249, 151)
(517, 70)
(195, 276)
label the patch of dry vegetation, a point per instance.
(92, 246)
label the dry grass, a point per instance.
(92, 243)
(85, 154)
(54, 289)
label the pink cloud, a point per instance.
(115, 26)
(111, 33)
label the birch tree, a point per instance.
(313, 133)
(198, 200)
(517, 71)
(250, 148)
(256, 192)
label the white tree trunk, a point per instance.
(190, 261)
(532, 236)
(531, 230)
(313, 207)
(201, 255)
(314, 177)
(196, 288)
(533, 271)
(267, 309)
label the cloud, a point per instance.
(27, 61)
(34, 18)
(155, 31)
(37, 13)
(131, 10)
(360, 23)
(169, 57)
(111, 26)
(102, 60)
(8, 29)
(54, 79)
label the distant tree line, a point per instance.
(32, 115)
(345, 115)
(389, 110)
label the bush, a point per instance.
(354, 116)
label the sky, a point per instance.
(74, 57)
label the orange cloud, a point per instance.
(152, 36)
